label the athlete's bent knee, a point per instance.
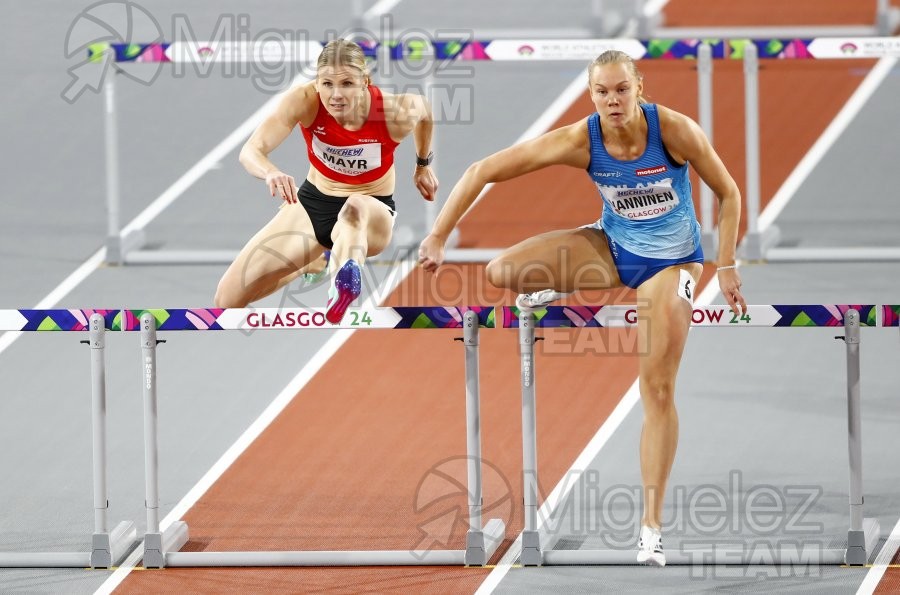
(496, 273)
(353, 213)
(227, 298)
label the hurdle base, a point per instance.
(481, 545)
(316, 558)
(860, 544)
(176, 257)
(157, 544)
(118, 246)
(106, 549)
(162, 552)
(824, 254)
(756, 245)
(109, 548)
(45, 559)
(700, 557)
(531, 549)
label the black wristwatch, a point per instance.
(425, 162)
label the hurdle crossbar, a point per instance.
(107, 547)
(161, 548)
(862, 534)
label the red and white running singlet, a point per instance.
(351, 157)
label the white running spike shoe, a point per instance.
(528, 302)
(650, 549)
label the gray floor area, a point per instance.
(847, 199)
(52, 219)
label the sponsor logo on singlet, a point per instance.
(649, 171)
(642, 202)
(608, 174)
(351, 160)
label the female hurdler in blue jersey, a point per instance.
(648, 238)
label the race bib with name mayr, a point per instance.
(644, 202)
(351, 160)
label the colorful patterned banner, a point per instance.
(757, 315)
(504, 49)
(890, 315)
(252, 319)
(52, 320)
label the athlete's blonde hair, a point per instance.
(617, 57)
(342, 52)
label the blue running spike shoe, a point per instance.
(347, 287)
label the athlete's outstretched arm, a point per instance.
(413, 115)
(568, 145)
(294, 107)
(686, 141)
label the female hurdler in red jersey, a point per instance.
(345, 204)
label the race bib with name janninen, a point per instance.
(350, 160)
(641, 203)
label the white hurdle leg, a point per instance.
(106, 548)
(480, 544)
(156, 544)
(863, 533)
(531, 539)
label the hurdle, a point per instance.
(107, 547)
(161, 549)
(862, 534)
(125, 245)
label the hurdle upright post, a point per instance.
(476, 548)
(752, 242)
(156, 543)
(885, 18)
(97, 342)
(704, 92)
(106, 547)
(531, 538)
(114, 251)
(863, 533)
(755, 243)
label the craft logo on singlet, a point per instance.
(643, 202)
(350, 160)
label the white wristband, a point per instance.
(730, 266)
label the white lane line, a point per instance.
(654, 6)
(59, 292)
(380, 8)
(880, 566)
(824, 143)
(287, 394)
(571, 477)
